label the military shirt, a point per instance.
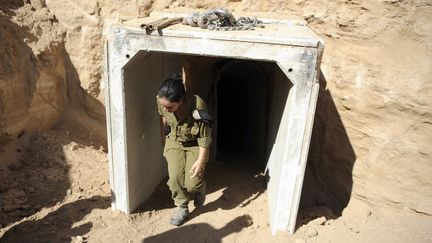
(187, 129)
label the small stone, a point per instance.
(318, 221)
(74, 146)
(69, 191)
(311, 232)
(79, 239)
(248, 222)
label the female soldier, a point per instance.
(185, 121)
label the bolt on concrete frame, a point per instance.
(135, 63)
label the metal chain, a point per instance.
(221, 19)
(242, 23)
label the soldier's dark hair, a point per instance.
(172, 89)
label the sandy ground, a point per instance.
(57, 190)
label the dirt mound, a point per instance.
(32, 94)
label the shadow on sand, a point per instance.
(201, 232)
(57, 226)
(328, 178)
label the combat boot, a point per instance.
(199, 199)
(180, 216)
(200, 196)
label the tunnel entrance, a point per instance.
(241, 108)
(260, 116)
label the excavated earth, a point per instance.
(368, 174)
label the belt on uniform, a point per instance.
(190, 143)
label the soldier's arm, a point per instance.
(204, 140)
(198, 167)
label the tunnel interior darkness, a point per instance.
(241, 104)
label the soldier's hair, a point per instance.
(172, 89)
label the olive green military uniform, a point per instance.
(182, 149)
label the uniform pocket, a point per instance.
(184, 133)
(188, 133)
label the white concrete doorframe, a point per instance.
(136, 62)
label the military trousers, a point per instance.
(180, 160)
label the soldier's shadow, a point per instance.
(201, 232)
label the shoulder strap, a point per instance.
(202, 115)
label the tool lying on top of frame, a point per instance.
(150, 26)
(161, 23)
(214, 19)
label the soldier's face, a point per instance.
(168, 105)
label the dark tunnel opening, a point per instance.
(241, 113)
